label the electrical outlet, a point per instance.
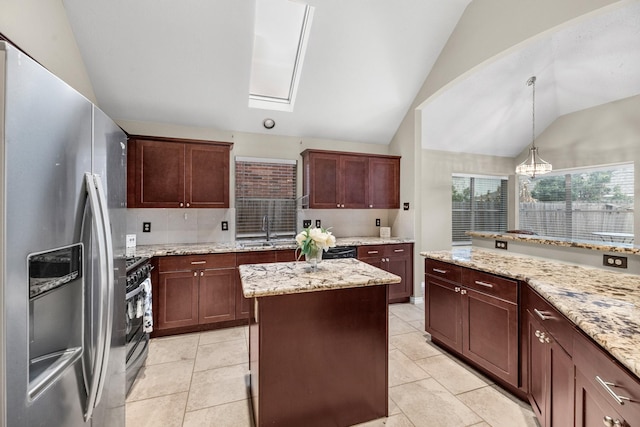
(614, 261)
(377, 222)
(406, 206)
(146, 227)
(318, 223)
(225, 226)
(501, 244)
(306, 223)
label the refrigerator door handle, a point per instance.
(108, 326)
(93, 381)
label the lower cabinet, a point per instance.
(475, 314)
(396, 259)
(606, 394)
(194, 290)
(548, 343)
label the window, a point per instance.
(265, 191)
(586, 204)
(280, 41)
(479, 204)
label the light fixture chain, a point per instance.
(532, 82)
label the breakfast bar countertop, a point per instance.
(260, 280)
(603, 304)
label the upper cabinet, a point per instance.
(334, 179)
(177, 173)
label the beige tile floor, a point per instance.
(199, 380)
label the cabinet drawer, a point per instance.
(553, 321)
(443, 270)
(499, 287)
(371, 251)
(592, 361)
(196, 262)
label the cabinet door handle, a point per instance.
(198, 262)
(398, 250)
(372, 252)
(542, 315)
(485, 284)
(437, 270)
(607, 386)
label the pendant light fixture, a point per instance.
(533, 165)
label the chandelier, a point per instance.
(533, 164)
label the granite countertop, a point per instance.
(250, 246)
(625, 248)
(280, 278)
(603, 304)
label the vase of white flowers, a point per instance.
(311, 242)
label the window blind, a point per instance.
(265, 190)
(594, 204)
(478, 204)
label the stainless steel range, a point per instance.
(137, 298)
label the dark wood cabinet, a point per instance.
(195, 290)
(177, 303)
(475, 315)
(606, 393)
(396, 259)
(384, 183)
(335, 179)
(547, 346)
(177, 173)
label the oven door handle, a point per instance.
(134, 292)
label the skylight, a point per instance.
(281, 32)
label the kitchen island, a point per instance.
(318, 342)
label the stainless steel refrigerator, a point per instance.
(62, 265)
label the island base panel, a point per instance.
(320, 358)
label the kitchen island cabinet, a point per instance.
(547, 348)
(318, 342)
(396, 259)
(177, 173)
(475, 315)
(580, 341)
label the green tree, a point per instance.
(551, 189)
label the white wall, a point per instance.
(486, 29)
(41, 28)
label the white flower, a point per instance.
(312, 238)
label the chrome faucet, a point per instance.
(266, 226)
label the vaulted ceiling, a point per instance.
(188, 63)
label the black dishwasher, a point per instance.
(340, 252)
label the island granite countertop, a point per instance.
(281, 278)
(250, 246)
(603, 304)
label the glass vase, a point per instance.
(314, 257)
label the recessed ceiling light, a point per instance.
(269, 123)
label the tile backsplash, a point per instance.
(205, 225)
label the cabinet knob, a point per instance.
(195, 273)
(342, 206)
(457, 289)
(202, 273)
(607, 421)
(463, 292)
(537, 334)
(338, 205)
(181, 204)
(188, 204)
(370, 206)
